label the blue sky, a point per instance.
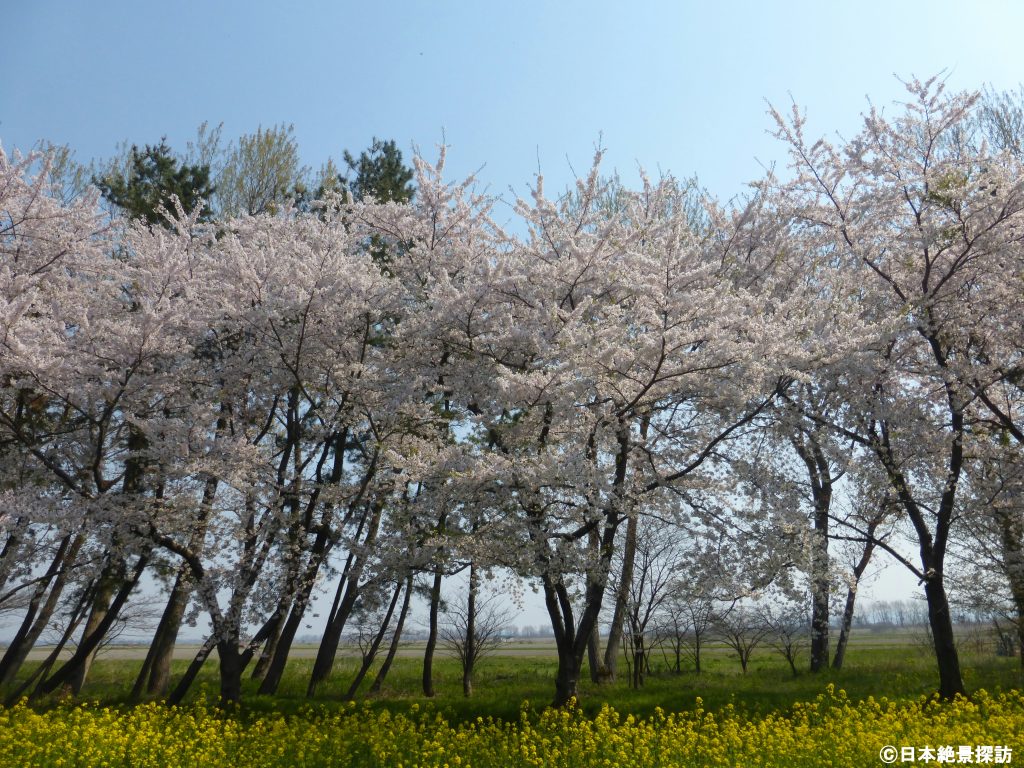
(511, 87)
(672, 86)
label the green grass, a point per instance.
(878, 664)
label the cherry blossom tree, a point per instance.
(929, 221)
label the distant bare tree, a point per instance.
(472, 628)
(742, 629)
(788, 629)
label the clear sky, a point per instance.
(672, 86)
(511, 87)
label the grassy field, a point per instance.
(720, 717)
(892, 663)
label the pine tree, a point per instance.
(152, 176)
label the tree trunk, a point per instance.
(282, 613)
(469, 660)
(820, 476)
(101, 604)
(851, 598)
(428, 653)
(639, 657)
(196, 665)
(594, 655)
(34, 623)
(939, 618)
(282, 645)
(567, 678)
(230, 672)
(73, 671)
(1012, 545)
(611, 650)
(155, 675)
(40, 673)
(571, 639)
(378, 681)
(344, 601)
(374, 646)
(820, 618)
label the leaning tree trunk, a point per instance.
(40, 673)
(428, 652)
(594, 656)
(271, 678)
(385, 667)
(845, 627)
(195, 666)
(155, 675)
(851, 598)
(344, 601)
(100, 606)
(282, 612)
(72, 673)
(371, 654)
(37, 619)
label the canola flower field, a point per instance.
(831, 730)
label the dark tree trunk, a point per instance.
(940, 620)
(100, 606)
(611, 650)
(155, 676)
(820, 622)
(73, 672)
(639, 663)
(195, 666)
(594, 656)
(851, 598)
(597, 674)
(385, 667)
(77, 614)
(36, 619)
(371, 654)
(324, 662)
(1012, 545)
(844, 629)
(281, 614)
(344, 601)
(428, 653)
(567, 678)
(231, 668)
(571, 638)
(282, 645)
(471, 650)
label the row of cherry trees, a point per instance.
(368, 393)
